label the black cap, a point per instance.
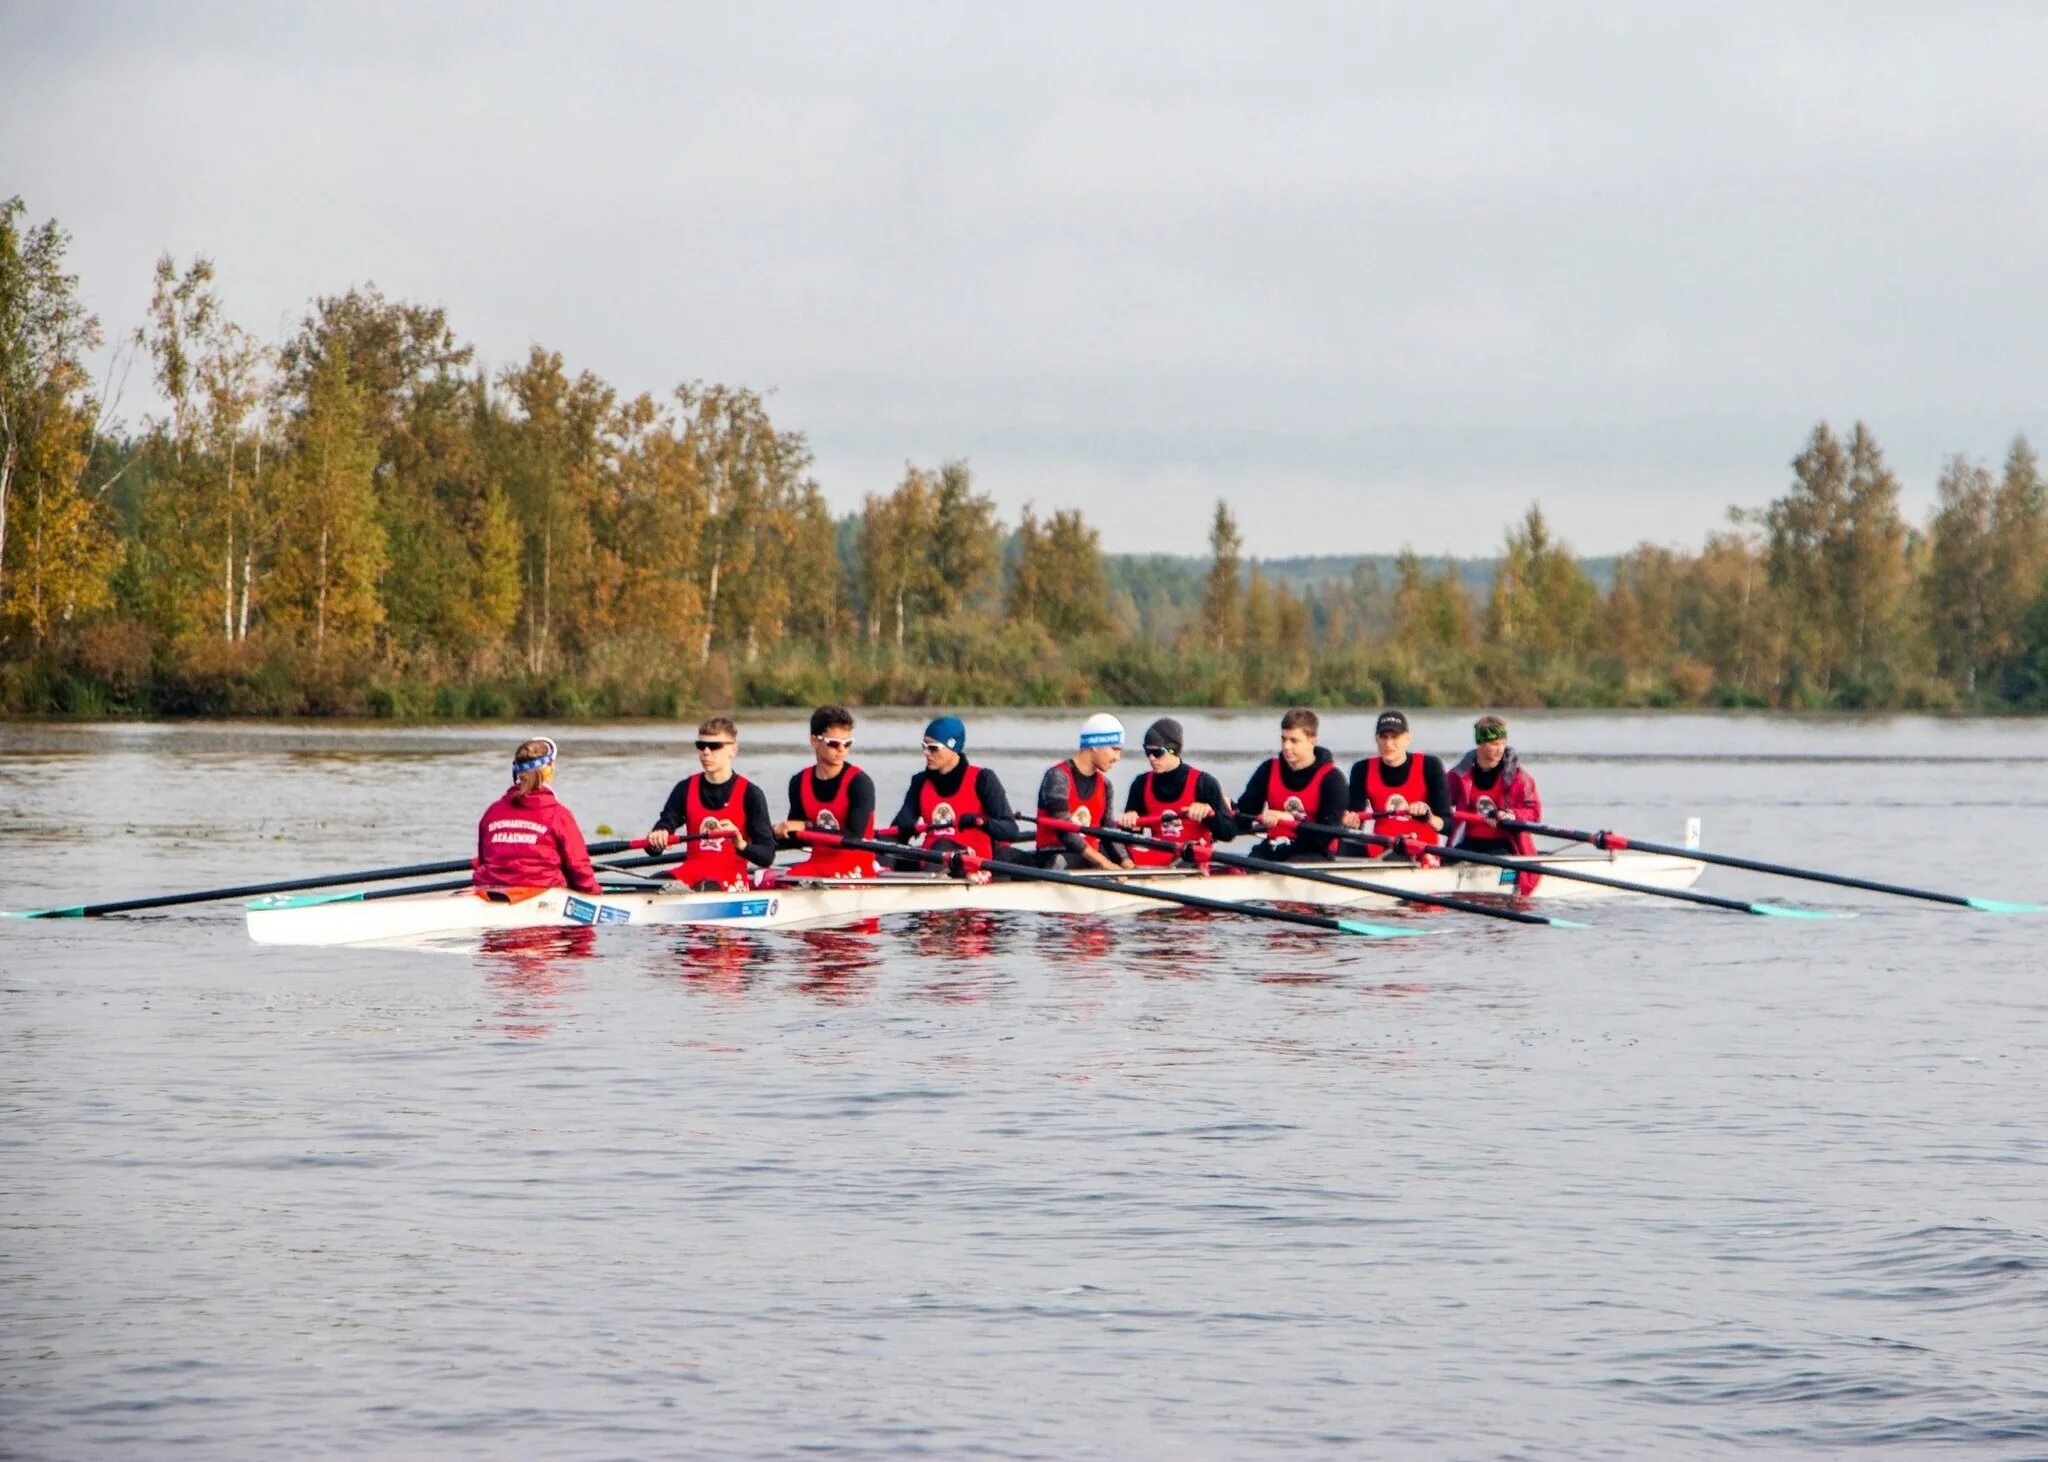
(1165, 732)
(1389, 722)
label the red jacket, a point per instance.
(1514, 795)
(529, 840)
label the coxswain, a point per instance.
(1077, 790)
(725, 813)
(1173, 800)
(527, 839)
(1397, 795)
(953, 805)
(831, 796)
(1490, 780)
(1302, 783)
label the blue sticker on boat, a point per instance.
(736, 909)
(613, 914)
(580, 911)
(1507, 875)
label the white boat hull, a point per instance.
(348, 919)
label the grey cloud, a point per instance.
(1320, 258)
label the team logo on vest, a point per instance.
(942, 815)
(1083, 816)
(709, 824)
(1295, 808)
(826, 821)
(1396, 804)
(1487, 807)
(1169, 821)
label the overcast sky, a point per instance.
(1376, 274)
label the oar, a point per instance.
(284, 885)
(371, 895)
(1292, 870)
(1615, 841)
(1032, 874)
(1410, 847)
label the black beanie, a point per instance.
(1165, 732)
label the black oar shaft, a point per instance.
(1729, 860)
(1519, 865)
(1311, 875)
(1033, 874)
(283, 885)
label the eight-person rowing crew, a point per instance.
(720, 819)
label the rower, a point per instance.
(1078, 790)
(703, 805)
(953, 805)
(1401, 796)
(1173, 800)
(1490, 779)
(527, 839)
(831, 796)
(1301, 783)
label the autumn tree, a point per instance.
(331, 551)
(57, 553)
(1541, 600)
(1957, 582)
(1222, 617)
(1059, 579)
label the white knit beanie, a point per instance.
(1101, 729)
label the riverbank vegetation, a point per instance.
(365, 519)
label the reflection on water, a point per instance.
(1682, 1183)
(531, 972)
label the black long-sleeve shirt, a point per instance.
(1321, 790)
(1168, 787)
(757, 832)
(999, 821)
(860, 797)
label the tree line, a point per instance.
(363, 518)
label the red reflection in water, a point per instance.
(720, 961)
(837, 965)
(963, 941)
(531, 971)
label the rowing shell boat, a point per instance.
(345, 918)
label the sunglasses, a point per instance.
(1158, 751)
(835, 742)
(932, 746)
(711, 745)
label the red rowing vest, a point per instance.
(1171, 826)
(830, 817)
(715, 860)
(1092, 812)
(942, 816)
(1280, 799)
(1387, 802)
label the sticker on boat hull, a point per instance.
(584, 911)
(737, 909)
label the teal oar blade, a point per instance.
(1556, 923)
(2000, 906)
(1379, 931)
(76, 911)
(1780, 911)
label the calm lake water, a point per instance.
(1685, 1182)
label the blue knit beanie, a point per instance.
(949, 731)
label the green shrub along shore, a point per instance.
(361, 520)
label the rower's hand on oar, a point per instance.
(1198, 812)
(1273, 817)
(1353, 819)
(790, 828)
(1129, 820)
(657, 839)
